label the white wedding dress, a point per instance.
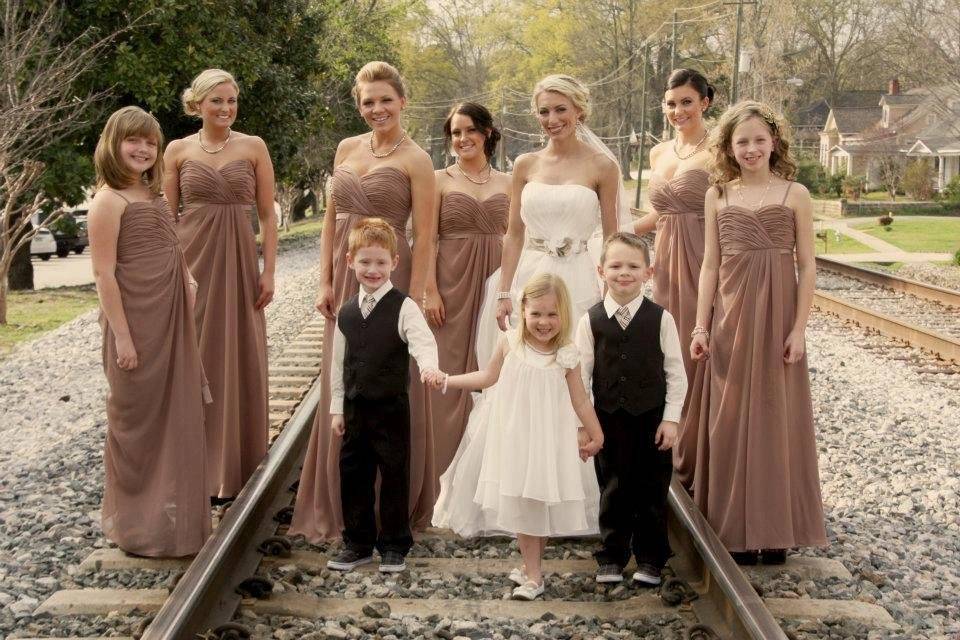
(560, 221)
(517, 469)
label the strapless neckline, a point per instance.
(677, 176)
(372, 171)
(569, 184)
(217, 169)
(450, 194)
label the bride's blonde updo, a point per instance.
(379, 71)
(203, 84)
(567, 86)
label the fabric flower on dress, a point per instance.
(568, 356)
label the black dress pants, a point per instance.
(376, 438)
(634, 479)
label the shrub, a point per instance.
(956, 258)
(833, 184)
(918, 180)
(811, 174)
(853, 186)
(951, 192)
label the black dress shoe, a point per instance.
(773, 556)
(745, 558)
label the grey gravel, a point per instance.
(942, 275)
(52, 426)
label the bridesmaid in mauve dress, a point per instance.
(756, 477)
(155, 501)
(474, 203)
(383, 174)
(677, 189)
(218, 175)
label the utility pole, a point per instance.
(641, 142)
(735, 80)
(502, 149)
(673, 42)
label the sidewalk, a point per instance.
(863, 238)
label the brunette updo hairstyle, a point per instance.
(379, 71)
(482, 120)
(202, 85)
(683, 77)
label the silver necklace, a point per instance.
(218, 150)
(676, 150)
(395, 147)
(474, 181)
(762, 198)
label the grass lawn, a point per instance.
(31, 313)
(845, 244)
(301, 231)
(933, 235)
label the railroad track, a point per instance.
(919, 314)
(248, 570)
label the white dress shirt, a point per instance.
(412, 328)
(673, 369)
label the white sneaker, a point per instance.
(529, 590)
(517, 576)
(647, 574)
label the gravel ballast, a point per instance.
(890, 474)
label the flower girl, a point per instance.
(521, 467)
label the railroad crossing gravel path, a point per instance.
(889, 467)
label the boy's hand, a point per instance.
(432, 378)
(666, 436)
(336, 424)
(582, 438)
(590, 449)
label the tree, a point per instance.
(890, 168)
(918, 180)
(39, 107)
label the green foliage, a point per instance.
(853, 186)
(956, 258)
(951, 192)
(811, 174)
(833, 184)
(918, 180)
(294, 61)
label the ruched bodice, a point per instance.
(233, 183)
(771, 227)
(145, 227)
(383, 192)
(462, 214)
(553, 212)
(682, 194)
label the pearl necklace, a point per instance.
(676, 151)
(474, 181)
(395, 147)
(762, 198)
(218, 150)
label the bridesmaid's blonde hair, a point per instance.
(202, 85)
(379, 71)
(567, 86)
(111, 171)
(539, 286)
(372, 232)
(723, 165)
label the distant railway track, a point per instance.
(230, 573)
(920, 314)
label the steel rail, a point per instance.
(897, 283)
(730, 599)
(205, 597)
(945, 347)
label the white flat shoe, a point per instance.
(517, 576)
(529, 590)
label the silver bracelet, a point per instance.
(503, 295)
(446, 379)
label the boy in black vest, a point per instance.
(377, 332)
(630, 348)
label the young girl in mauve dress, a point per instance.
(521, 466)
(756, 476)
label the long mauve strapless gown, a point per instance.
(468, 252)
(155, 501)
(220, 247)
(756, 476)
(677, 259)
(384, 193)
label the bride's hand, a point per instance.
(504, 309)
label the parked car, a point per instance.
(70, 231)
(43, 245)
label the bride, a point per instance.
(560, 195)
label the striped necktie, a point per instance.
(369, 302)
(623, 317)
